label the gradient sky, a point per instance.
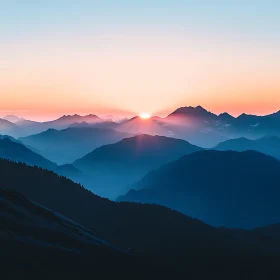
(116, 56)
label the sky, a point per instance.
(125, 57)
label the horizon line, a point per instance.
(116, 117)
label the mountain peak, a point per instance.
(225, 114)
(70, 116)
(12, 118)
(200, 108)
(198, 111)
(91, 116)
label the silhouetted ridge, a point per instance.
(192, 111)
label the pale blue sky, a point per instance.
(258, 19)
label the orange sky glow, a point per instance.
(127, 71)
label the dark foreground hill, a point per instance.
(162, 243)
(232, 189)
(46, 244)
(113, 167)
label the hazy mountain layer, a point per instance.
(269, 145)
(233, 189)
(111, 168)
(65, 146)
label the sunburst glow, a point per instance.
(145, 115)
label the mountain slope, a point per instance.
(9, 128)
(17, 152)
(206, 129)
(113, 167)
(65, 146)
(9, 137)
(12, 118)
(221, 188)
(31, 233)
(269, 145)
(22, 215)
(163, 243)
(199, 126)
(14, 150)
(106, 218)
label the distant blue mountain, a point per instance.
(111, 168)
(269, 145)
(15, 151)
(206, 129)
(9, 137)
(20, 127)
(232, 189)
(193, 124)
(65, 146)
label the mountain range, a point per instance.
(161, 242)
(19, 127)
(191, 123)
(17, 152)
(13, 150)
(111, 168)
(204, 128)
(194, 124)
(66, 145)
(232, 189)
(269, 145)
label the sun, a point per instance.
(145, 115)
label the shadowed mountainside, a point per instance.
(17, 152)
(269, 145)
(54, 244)
(164, 242)
(232, 189)
(112, 167)
(14, 150)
